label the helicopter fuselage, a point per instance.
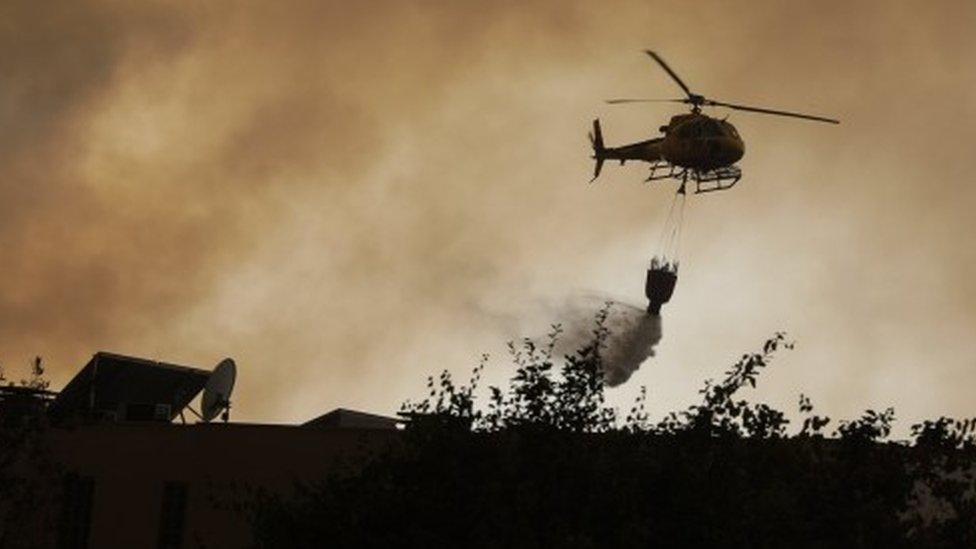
(700, 142)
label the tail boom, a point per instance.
(646, 151)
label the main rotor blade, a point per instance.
(619, 101)
(667, 69)
(771, 111)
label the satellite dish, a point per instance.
(216, 393)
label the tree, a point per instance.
(26, 472)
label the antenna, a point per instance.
(216, 394)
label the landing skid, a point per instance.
(705, 181)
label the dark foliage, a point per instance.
(547, 464)
(26, 471)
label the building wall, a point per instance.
(129, 466)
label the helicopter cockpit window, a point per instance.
(712, 128)
(728, 129)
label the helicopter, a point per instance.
(694, 146)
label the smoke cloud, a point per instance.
(333, 193)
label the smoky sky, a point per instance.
(345, 197)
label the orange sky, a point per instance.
(347, 196)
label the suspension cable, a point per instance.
(670, 239)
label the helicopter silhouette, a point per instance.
(694, 146)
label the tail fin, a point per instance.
(596, 139)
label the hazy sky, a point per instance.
(346, 196)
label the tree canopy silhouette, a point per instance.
(547, 463)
